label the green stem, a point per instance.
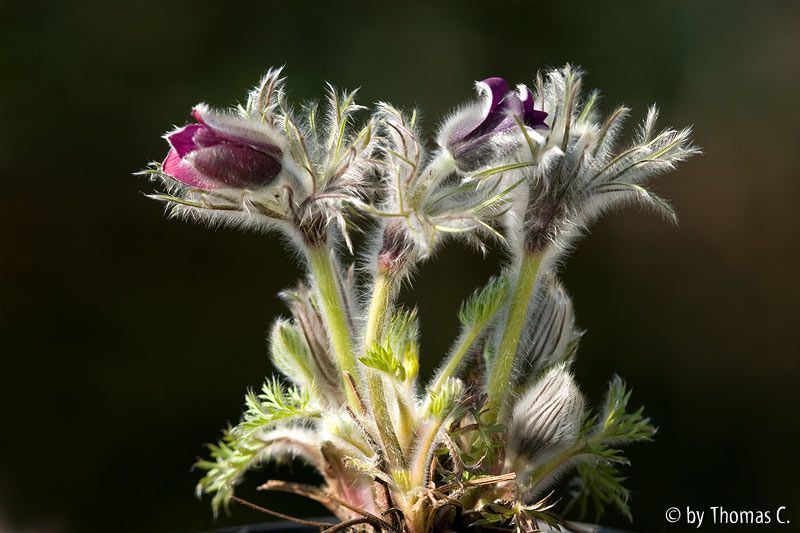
(383, 420)
(419, 472)
(405, 419)
(333, 311)
(379, 306)
(506, 354)
(532, 478)
(541, 472)
(455, 360)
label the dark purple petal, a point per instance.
(532, 117)
(474, 140)
(206, 158)
(504, 111)
(231, 165)
(499, 120)
(491, 92)
(497, 88)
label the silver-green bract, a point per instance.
(483, 441)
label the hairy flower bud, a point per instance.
(394, 250)
(546, 420)
(579, 172)
(221, 152)
(490, 128)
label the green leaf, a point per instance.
(402, 337)
(274, 404)
(240, 445)
(599, 486)
(615, 425)
(382, 359)
(446, 398)
(599, 483)
(290, 353)
(482, 305)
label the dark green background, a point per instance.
(127, 340)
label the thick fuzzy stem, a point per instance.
(500, 375)
(405, 419)
(332, 303)
(563, 458)
(383, 420)
(422, 462)
(380, 304)
(379, 308)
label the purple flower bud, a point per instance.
(475, 135)
(221, 152)
(484, 117)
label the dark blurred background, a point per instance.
(128, 340)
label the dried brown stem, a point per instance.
(458, 465)
(307, 491)
(328, 500)
(395, 513)
(344, 525)
(479, 482)
(276, 514)
(350, 382)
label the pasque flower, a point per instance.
(579, 171)
(570, 174)
(428, 198)
(502, 418)
(267, 166)
(264, 165)
(489, 129)
(461, 190)
(216, 153)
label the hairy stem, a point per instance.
(455, 359)
(506, 354)
(405, 421)
(420, 468)
(379, 306)
(383, 420)
(333, 310)
(580, 448)
(542, 472)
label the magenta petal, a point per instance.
(227, 155)
(198, 116)
(171, 162)
(182, 141)
(206, 138)
(183, 172)
(218, 128)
